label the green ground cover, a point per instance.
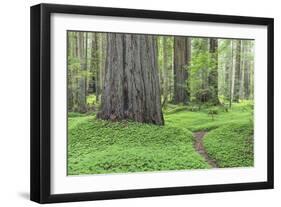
(97, 146)
(231, 145)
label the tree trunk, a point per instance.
(237, 70)
(232, 74)
(242, 69)
(94, 61)
(70, 98)
(86, 64)
(81, 93)
(213, 75)
(97, 67)
(247, 73)
(165, 70)
(102, 56)
(181, 59)
(131, 88)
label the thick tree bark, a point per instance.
(131, 88)
(213, 75)
(181, 60)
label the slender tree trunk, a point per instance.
(76, 75)
(251, 78)
(242, 69)
(159, 49)
(131, 88)
(102, 51)
(181, 59)
(227, 63)
(237, 70)
(95, 59)
(213, 75)
(165, 71)
(232, 74)
(171, 72)
(81, 93)
(86, 64)
(97, 68)
(70, 50)
(247, 74)
(188, 51)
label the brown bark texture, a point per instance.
(181, 59)
(131, 84)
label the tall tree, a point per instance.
(95, 65)
(242, 69)
(213, 74)
(70, 56)
(237, 70)
(224, 64)
(232, 74)
(165, 70)
(86, 64)
(102, 58)
(171, 68)
(181, 60)
(131, 88)
(81, 52)
(247, 71)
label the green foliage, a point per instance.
(177, 109)
(194, 108)
(91, 99)
(203, 95)
(96, 146)
(231, 145)
(75, 114)
(213, 112)
(165, 66)
(230, 137)
(201, 65)
(201, 121)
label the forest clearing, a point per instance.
(141, 103)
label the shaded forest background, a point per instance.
(166, 69)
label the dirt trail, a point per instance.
(201, 150)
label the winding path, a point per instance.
(199, 147)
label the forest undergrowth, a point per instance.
(97, 146)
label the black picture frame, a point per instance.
(41, 97)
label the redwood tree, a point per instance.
(181, 59)
(82, 54)
(131, 85)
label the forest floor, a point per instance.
(199, 147)
(188, 140)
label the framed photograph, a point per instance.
(133, 103)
